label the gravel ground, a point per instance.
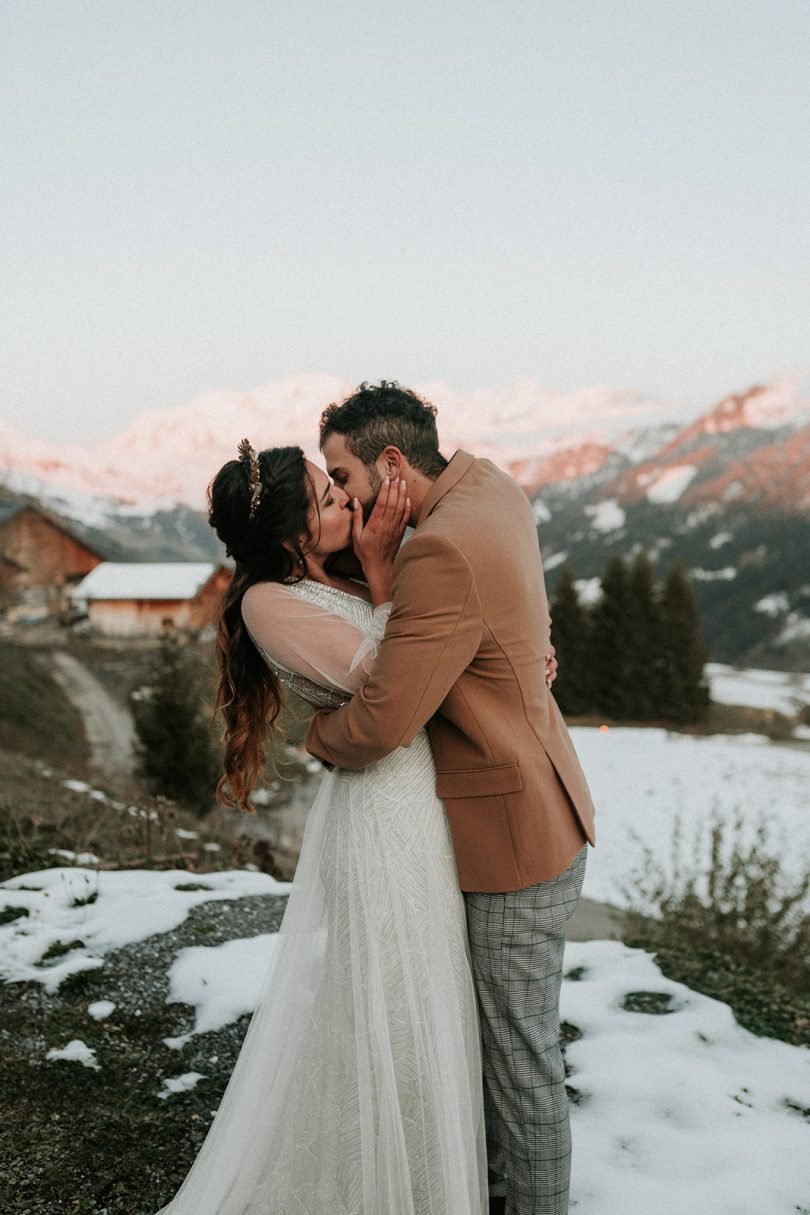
(83, 1142)
(137, 976)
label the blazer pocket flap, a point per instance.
(479, 782)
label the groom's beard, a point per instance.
(375, 483)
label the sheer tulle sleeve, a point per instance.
(301, 637)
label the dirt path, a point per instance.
(109, 728)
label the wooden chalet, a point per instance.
(146, 598)
(40, 560)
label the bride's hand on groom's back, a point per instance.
(551, 666)
(377, 542)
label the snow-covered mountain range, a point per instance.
(167, 456)
(727, 488)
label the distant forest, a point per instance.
(637, 654)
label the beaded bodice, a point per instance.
(332, 599)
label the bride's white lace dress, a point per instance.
(357, 1090)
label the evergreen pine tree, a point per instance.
(684, 692)
(571, 637)
(175, 751)
(611, 643)
(644, 659)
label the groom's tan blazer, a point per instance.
(464, 654)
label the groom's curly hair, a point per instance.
(377, 415)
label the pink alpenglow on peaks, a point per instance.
(168, 456)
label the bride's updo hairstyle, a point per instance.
(258, 507)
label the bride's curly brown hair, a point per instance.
(266, 548)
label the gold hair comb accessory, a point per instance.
(246, 453)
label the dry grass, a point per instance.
(729, 922)
(39, 814)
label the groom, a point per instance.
(464, 654)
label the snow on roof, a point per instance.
(144, 580)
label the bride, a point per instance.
(358, 1087)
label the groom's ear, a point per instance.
(394, 462)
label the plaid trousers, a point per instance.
(516, 945)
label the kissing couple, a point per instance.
(404, 1056)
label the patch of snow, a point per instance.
(81, 858)
(180, 1084)
(701, 514)
(724, 575)
(76, 1052)
(211, 846)
(735, 489)
(541, 512)
(641, 445)
(99, 1010)
(606, 516)
(720, 539)
(76, 786)
(671, 484)
(186, 835)
(785, 691)
(551, 563)
(177, 1043)
(681, 1112)
(797, 628)
(589, 590)
(130, 906)
(773, 605)
(223, 982)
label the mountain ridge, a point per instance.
(167, 456)
(726, 489)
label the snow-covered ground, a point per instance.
(678, 1112)
(642, 780)
(786, 691)
(102, 911)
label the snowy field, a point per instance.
(680, 1112)
(786, 691)
(643, 779)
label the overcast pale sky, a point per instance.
(211, 193)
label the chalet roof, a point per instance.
(9, 511)
(144, 580)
